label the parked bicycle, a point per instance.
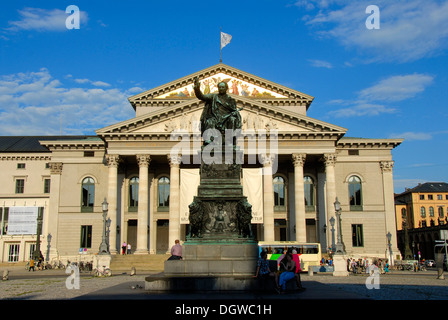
(102, 272)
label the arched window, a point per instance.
(279, 193)
(88, 194)
(423, 212)
(163, 194)
(431, 211)
(355, 193)
(308, 183)
(403, 213)
(441, 212)
(133, 194)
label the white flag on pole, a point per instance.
(225, 39)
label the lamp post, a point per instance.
(104, 247)
(339, 244)
(339, 262)
(36, 253)
(333, 245)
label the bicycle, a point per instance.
(102, 272)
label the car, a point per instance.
(430, 263)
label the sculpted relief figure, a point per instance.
(220, 111)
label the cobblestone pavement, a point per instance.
(52, 285)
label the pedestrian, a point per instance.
(287, 268)
(31, 265)
(123, 248)
(264, 272)
(129, 248)
(296, 259)
(176, 251)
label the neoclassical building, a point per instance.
(147, 169)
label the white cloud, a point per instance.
(397, 88)
(34, 103)
(413, 136)
(409, 30)
(43, 20)
(362, 109)
(321, 64)
(372, 101)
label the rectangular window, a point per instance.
(430, 197)
(86, 237)
(353, 152)
(422, 197)
(439, 197)
(20, 166)
(32, 249)
(357, 235)
(47, 185)
(4, 214)
(89, 153)
(13, 253)
(20, 185)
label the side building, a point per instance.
(422, 212)
(148, 186)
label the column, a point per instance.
(51, 217)
(112, 163)
(299, 197)
(152, 221)
(268, 198)
(174, 215)
(330, 160)
(142, 224)
(389, 208)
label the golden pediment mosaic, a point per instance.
(210, 85)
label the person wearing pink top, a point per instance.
(296, 259)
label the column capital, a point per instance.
(386, 166)
(113, 160)
(174, 160)
(143, 160)
(55, 167)
(298, 159)
(267, 159)
(329, 159)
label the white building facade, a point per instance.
(147, 169)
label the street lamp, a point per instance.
(36, 253)
(332, 222)
(339, 244)
(104, 247)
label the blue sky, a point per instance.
(378, 83)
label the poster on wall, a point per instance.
(189, 182)
(22, 220)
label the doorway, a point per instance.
(162, 236)
(132, 234)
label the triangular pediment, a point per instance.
(256, 115)
(240, 83)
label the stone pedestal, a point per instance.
(340, 266)
(102, 261)
(215, 259)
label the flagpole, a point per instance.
(220, 46)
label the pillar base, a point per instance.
(340, 266)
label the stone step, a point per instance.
(147, 262)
